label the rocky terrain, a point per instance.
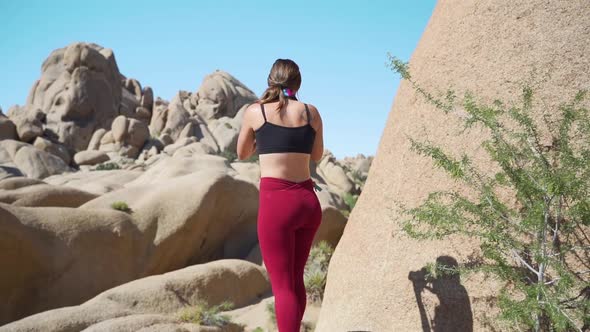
(118, 208)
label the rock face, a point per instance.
(79, 91)
(30, 161)
(43, 195)
(156, 299)
(7, 127)
(220, 95)
(488, 47)
(52, 255)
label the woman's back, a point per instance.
(287, 139)
(286, 132)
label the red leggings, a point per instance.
(289, 215)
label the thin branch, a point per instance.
(517, 255)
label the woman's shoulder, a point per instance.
(312, 109)
(309, 105)
(255, 105)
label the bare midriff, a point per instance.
(292, 166)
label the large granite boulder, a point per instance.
(157, 300)
(57, 256)
(221, 94)
(80, 91)
(7, 128)
(30, 161)
(488, 47)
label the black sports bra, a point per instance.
(272, 138)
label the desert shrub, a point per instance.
(252, 158)
(229, 155)
(270, 309)
(350, 200)
(106, 166)
(539, 246)
(345, 213)
(121, 206)
(203, 314)
(316, 270)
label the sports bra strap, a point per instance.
(263, 114)
(307, 110)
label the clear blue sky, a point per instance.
(340, 47)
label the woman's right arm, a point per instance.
(318, 146)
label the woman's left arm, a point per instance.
(246, 145)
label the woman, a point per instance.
(287, 134)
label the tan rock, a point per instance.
(249, 170)
(171, 149)
(79, 91)
(138, 133)
(7, 128)
(42, 244)
(333, 173)
(90, 157)
(166, 139)
(193, 148)
(45, 195)
(221, 94)
(487, 47)
(95, 182)
(168, 168)
(107, 138)
(148, 302)
(18, 182)
(226, 134)
(32, 162)
(177, 115)
(187, 131)
(97, 139)
(54, 148)
(159, 116)
(119, 128)
(28, 123)
(147, 98)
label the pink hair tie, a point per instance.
(288, 92)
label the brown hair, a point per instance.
(284, 74)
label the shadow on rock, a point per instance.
(453, 312)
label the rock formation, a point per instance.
(104, 185)
(488, 47)
(155, 301)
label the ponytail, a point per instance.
(284, 74)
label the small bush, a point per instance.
(307, 327)
(229, 155)
(350, 200)
(202, 314)
(121, 206)
(345, 213)
(270, 308)
(253, 158)
(107, 166)
(316, 270)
